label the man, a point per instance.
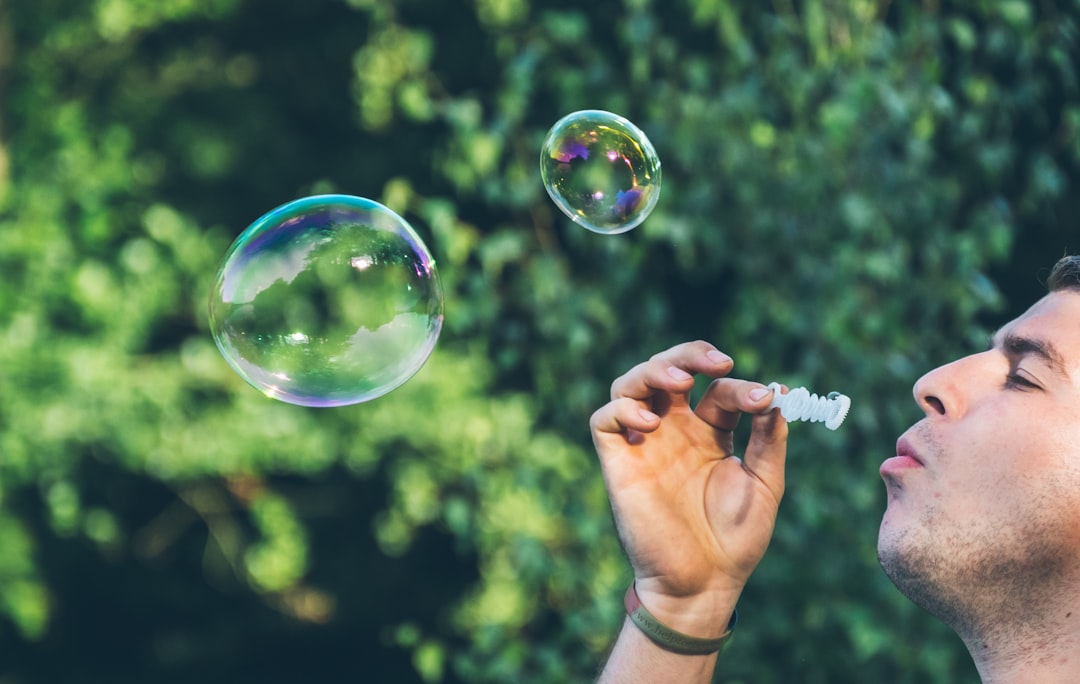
(982, 526)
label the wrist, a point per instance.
(669, 638)
(704, 614)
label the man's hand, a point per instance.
(694, 519)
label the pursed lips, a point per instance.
(906, 458)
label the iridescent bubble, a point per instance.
(601, 170)
(327, 301)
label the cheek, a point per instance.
(1061, 442)
(1047, 456)
(978, 494)
(991, 465)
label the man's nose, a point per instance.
(945, 391)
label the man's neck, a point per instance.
(1029, 652)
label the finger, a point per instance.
(727, 399)
(766, 452)
(620, 416)
(671, 372)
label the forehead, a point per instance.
(1054, 319)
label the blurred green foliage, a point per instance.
(854, 192)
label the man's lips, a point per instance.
(906, 457)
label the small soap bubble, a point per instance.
(327, 301)
(601, 170)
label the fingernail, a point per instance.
(759, 393)
(718, 356)
(678, 373)
(648, 416)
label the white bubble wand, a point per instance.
(800, 404)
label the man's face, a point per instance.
(984, 493)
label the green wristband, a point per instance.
(666, 637)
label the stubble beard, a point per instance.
(989, 586)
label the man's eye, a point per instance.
(1018, 381)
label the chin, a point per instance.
(901, 567)
(894, 537)
(891, 522)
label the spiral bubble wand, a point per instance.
(800, 404)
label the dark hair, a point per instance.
(1065, 275)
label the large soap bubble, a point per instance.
(327, 301)
(601, 170)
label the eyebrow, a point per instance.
(1019, 346)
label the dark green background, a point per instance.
(854, 192)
